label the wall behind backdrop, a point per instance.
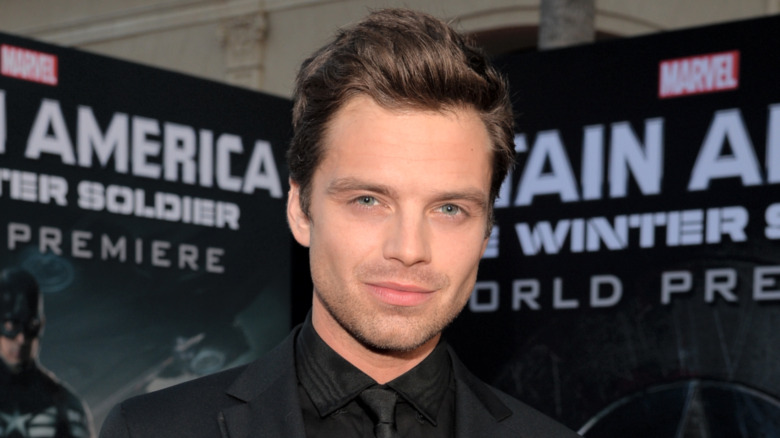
(260, 44)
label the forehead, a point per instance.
(454, 140)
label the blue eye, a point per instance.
(450, 209)
(366, 200)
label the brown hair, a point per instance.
(402, 59)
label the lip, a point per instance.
(398, 294)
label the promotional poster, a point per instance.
(632, 282)
(149, 207)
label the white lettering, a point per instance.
(593, 162)
(111, 250)
(18, 233)
(596, 283)
(727, 127)
(159, 249)
(627, 153)
(772, 217)
(699, 74)
(525, 291)
(144, 147)
(78, 244)
(261, 172)
(206, 158)
(188, 257)
(127, 201)
(33, 187)
(558, 301)
(674, 282)
(773, 145)
(478, 305)
(50, 238)
(113, 143)
(721, 282)
(765, 277)
(684, 227)
(213, 259)
(226, 145)
(547, 148)
(50, 119)
(180, 151)
(29, 65)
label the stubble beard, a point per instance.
(389, 329)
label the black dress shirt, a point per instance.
(329, 387)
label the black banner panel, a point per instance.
(150, 208)
(632, 284)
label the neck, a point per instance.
(11, 369)
(381, 365)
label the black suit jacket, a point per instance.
(261, 400)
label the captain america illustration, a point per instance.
(33, 403)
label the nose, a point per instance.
(20, 338)
(408, 239)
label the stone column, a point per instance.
(243, 39)
(566, 23)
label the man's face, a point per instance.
(18, 350)
(399, 209)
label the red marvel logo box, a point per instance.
(699, 74)
(29, 65)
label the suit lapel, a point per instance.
(268, 390)
(276, 412)
(478, 412)
(470, 418)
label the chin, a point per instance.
(392, 345)
(405, 339)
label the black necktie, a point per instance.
(381, 404)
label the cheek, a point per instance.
(461, 259)
(331, 253)
(343, 238)
(460, 250)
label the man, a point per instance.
(402, 137)
(32, 402)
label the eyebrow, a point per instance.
(472, 196)
(353, 184)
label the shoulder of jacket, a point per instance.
(515, 415)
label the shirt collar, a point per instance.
(425, 385)
(331, 381)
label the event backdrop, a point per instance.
(632, 284)
(150, 207)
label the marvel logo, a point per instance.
(699, 74)
(29, 65)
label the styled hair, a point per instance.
(403, 60)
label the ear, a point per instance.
(299, 222)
